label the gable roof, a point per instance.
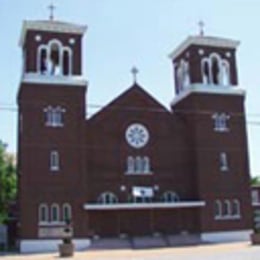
(142, 100)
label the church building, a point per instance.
(135, 168)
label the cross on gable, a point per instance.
(134, 72)
(201, 27)
(51, 7)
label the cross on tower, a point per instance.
(201, 27)
(51, 7)
(134, 72)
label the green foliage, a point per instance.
(255, 180)
(8, 181)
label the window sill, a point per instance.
(50, 224)
(236, 217)
(139, 173)
(221, 130)
(54, 125)
(54, 169)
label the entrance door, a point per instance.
(136, 222)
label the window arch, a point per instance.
(42, 59)
(215, 70)
(146, 164)
(226, 208)
(66, 212)
(130, 164)
(183, 76)
(67, 61)
(236, 208)
(43, 213)
(55, 213)
(138, 164)
(54, 161)
(107, 198)
(54, 58)
(225, 73)
(217, 209)
(205, 71)
(170, 196)
(223, 159)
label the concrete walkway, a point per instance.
(231, 251)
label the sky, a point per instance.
(126, 33)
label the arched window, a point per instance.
(215, 68)
(55, 57)
(67, 61)
(146, 165)
(217, 209)
(43, 213)
(138, 164)
(223, 162)
(66, 212)
(55, 213)
(236, 208)
(226, 208)
(205, 71)
(186, 73)
(107, 198)
(182, 75)
(130, 164)
(170, 196)
(42, 59)
(225, 69)
(54, 161)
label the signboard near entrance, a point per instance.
(54, 232)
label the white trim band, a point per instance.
(136, 206)
(49, 245)
(226, 236)
(55, 80)
(203, 41)
(50, 26)
(208, 89)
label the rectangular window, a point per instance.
(54, 116)
(54, 161)
(220, 122)
(255, 197)
(223, 162)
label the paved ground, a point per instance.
(233, 251)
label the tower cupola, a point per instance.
(51, 49)
(208, 62)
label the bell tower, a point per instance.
(210, 105)
(205, 61)
(52, 109)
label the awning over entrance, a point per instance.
(136, 206)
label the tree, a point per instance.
(255, 180)
(8, 181)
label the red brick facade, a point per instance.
(183, 154)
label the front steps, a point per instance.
(144, 242)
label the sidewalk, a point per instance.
(231, 251)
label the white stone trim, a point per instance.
(49, 245)
(256, 204)
(154, 205)
(208, 89)
(36, 78)
(50, 26)
(226, 236)
(204, 41)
